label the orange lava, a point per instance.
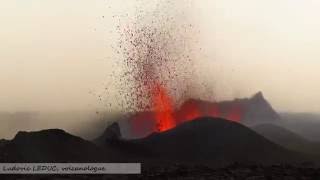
(163, 109)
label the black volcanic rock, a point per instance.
(3, 142)
(52, 145)
(287, 138)
(111, 133)
(212, 140)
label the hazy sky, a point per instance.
(53, 53)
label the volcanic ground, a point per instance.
(201, 148)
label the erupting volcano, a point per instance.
(165, 116)
(156, 50)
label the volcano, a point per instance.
(248, 111)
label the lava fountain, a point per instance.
(163, 109)
(156, 51)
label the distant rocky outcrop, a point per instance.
(258, 110)
(111, 133)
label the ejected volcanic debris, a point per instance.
(156, 59)
(155, 47)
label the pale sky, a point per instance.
(53, 53)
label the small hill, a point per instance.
(51, 145)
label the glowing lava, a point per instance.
(163, 109)
(189, 111)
